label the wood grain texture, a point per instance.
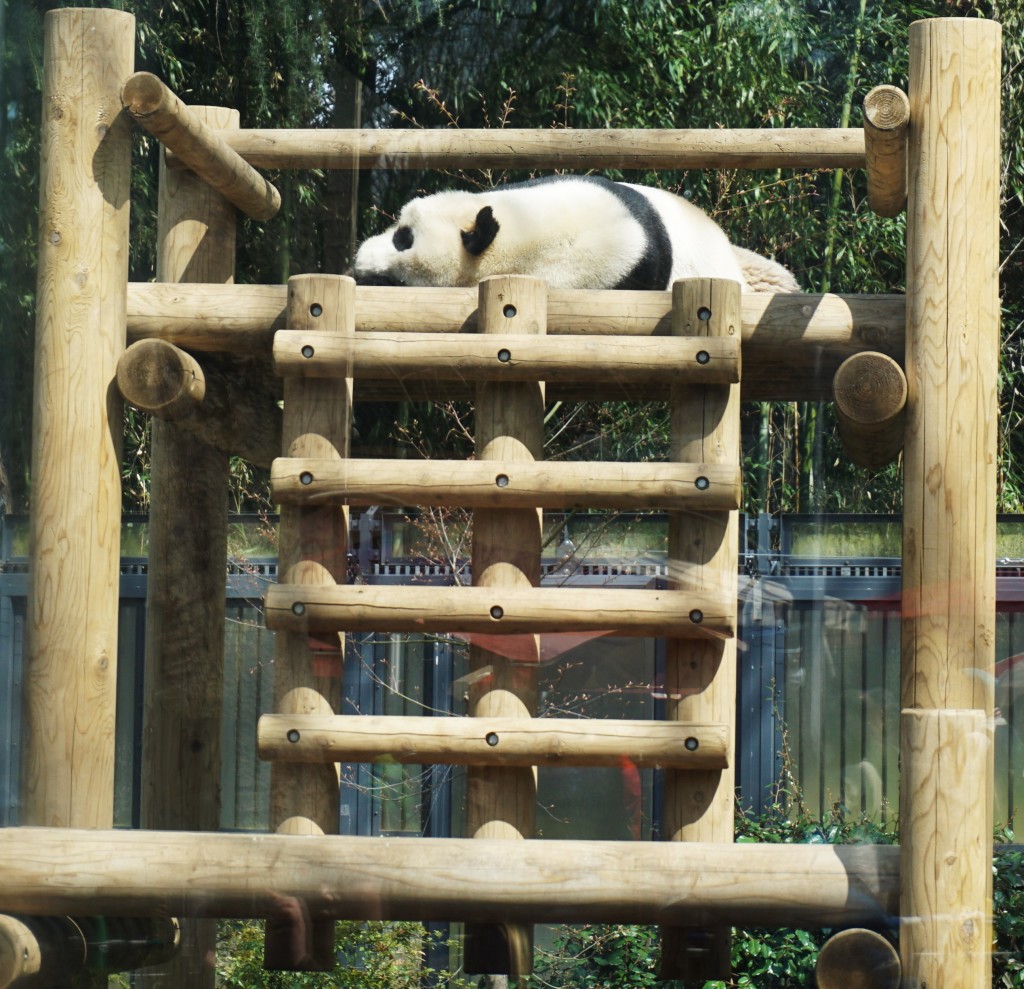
(313, 554)
(181, 130)
(493, 610)
(495, 357)
(184, 660)
(537, 148)
(161, 379)
(485, 741)
(138, 873)
(792, 344)
(870, 394)
(952, 343)
(509, 416)
(67, 773)
(702, 558)
(857, 958)
(886, 121)
(946, 850)
(516, 484)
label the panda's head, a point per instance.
(437, 241)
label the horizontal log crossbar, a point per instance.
(792, 343)
(497, 612)
(626, 148)
(494, 357)
(492, 741)
(167, 873)
(492, 484)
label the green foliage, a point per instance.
(375, 955)
(525, 63)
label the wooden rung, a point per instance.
(162, 873)
(491, 357)
(495, 612)
(492, 741)
(494, 484)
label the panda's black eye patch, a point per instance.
(402, 238)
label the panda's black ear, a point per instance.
(481, 236)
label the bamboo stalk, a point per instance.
(499, 611)
(493, 357)
(486, 741)
(182, 131)
(490, 484)
(536, 148)
(139, 873)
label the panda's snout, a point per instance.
(377, 278)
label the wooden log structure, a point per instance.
(792, 344)
(857, 958)
(227, 404)
(509, 417)
(184, 659)
(486, 484)
(161, 379)
(70, 662)
(946, 821)
(499, 611)
(492, 357)
(492, 741)
(886, 121)
(759, 148)
(199, 147)
(314, 556)
(870, 394)
(144, 873)
(948, 604)
(40, 952)
(703, 551)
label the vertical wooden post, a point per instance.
(71, 655)
(313, 550)
(952, 351)
(700, 676)
(506, 553)
(945, 849)
(184, 688)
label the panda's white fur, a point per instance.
(572, 231)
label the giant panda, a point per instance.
(573, 231)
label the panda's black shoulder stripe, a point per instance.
(654, 268)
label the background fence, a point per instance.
(818, 701)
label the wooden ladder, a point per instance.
(505, 610)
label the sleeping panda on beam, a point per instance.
(572, 231)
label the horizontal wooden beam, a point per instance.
(494, 357)
(492, 484)
(536, 148)
(492, 741)
(870, 393)
(498, 612)
(886, 127)
(792, 344)
(201, 148)
(168, 873)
